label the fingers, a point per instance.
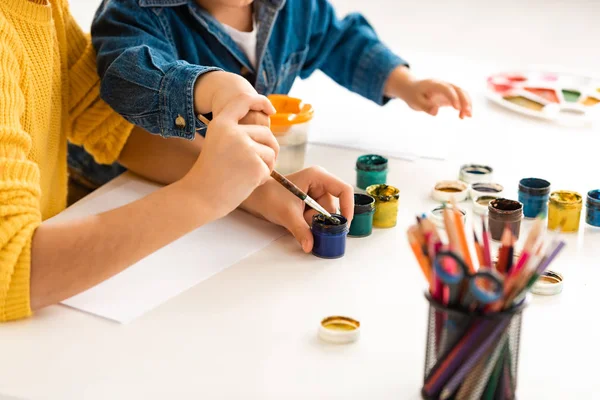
(266, 153)
(263, 136)
(243, 103)
(256, 118)
(465, 103)
(427, 106)
(336, 187)
(301, 231)
(449, 92)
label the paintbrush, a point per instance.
(286, 183)
(295, 190)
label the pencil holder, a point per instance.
(470, 355)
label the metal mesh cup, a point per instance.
(470, 355)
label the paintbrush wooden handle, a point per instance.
(289, 185)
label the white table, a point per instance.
(250, 331)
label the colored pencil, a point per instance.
(506, 241)
(475, 384)
(479, 250)
(450, 229)
(423, 261)
(462, 238)
(487, 254)
(470, 362)
(440, 375)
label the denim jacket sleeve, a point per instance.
(349, 52)
(142, 79)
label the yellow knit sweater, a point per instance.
(49, 92)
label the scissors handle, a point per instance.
(483, 287)
(454, 278)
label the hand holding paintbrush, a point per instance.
(295, 190)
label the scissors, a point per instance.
(483, 287)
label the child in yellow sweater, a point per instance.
(49, 92)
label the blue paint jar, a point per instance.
(371, 169)
(534, 194)
(364, 208)
(593, 208)
(330, 238)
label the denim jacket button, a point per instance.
(180, 122)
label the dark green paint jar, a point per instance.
(364, 208)
(371, 169)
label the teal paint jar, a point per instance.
(364, 208)
(371, 169)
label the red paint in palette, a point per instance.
(547, 94)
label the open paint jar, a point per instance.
(534, 194)
(290, 125)
(371, 169)
(502, 213)
(564, 211)
(364, 209)
(386, 205)
(339, 330)
(593, 208)
(474, 173)
(446, 191)
(329, 235)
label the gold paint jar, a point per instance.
(386, 205)
(564, 211)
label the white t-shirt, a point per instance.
(246, 41)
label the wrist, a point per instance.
(200, 205)
(205, 89)
(399, 83)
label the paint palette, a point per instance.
(547, 95)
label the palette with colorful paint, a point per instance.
(548, 95)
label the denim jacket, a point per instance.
(150, 53)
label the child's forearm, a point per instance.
(70, 257)
(398, 82)
(158, 159)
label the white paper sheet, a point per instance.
(174, 268)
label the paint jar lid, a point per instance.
(446, 191)
(372, 162)
(566, 199)
(363, 203)
(383, 192)
(437, 216)
(340, 330)
(534, 186)
(481, 203)
(505, 210)
(473, 173)
(323, 224)
(593, 198)
(486, 188)
(548, 284)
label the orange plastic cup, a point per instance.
(290, 125)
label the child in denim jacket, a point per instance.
(151, 53)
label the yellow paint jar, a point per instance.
(564, 211)
(386, 205)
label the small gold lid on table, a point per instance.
(548, 284)
(338, 329)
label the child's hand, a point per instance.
(215, 90)
(427, 95)
(274, 203)
(235, 159)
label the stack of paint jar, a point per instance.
(378, 207)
